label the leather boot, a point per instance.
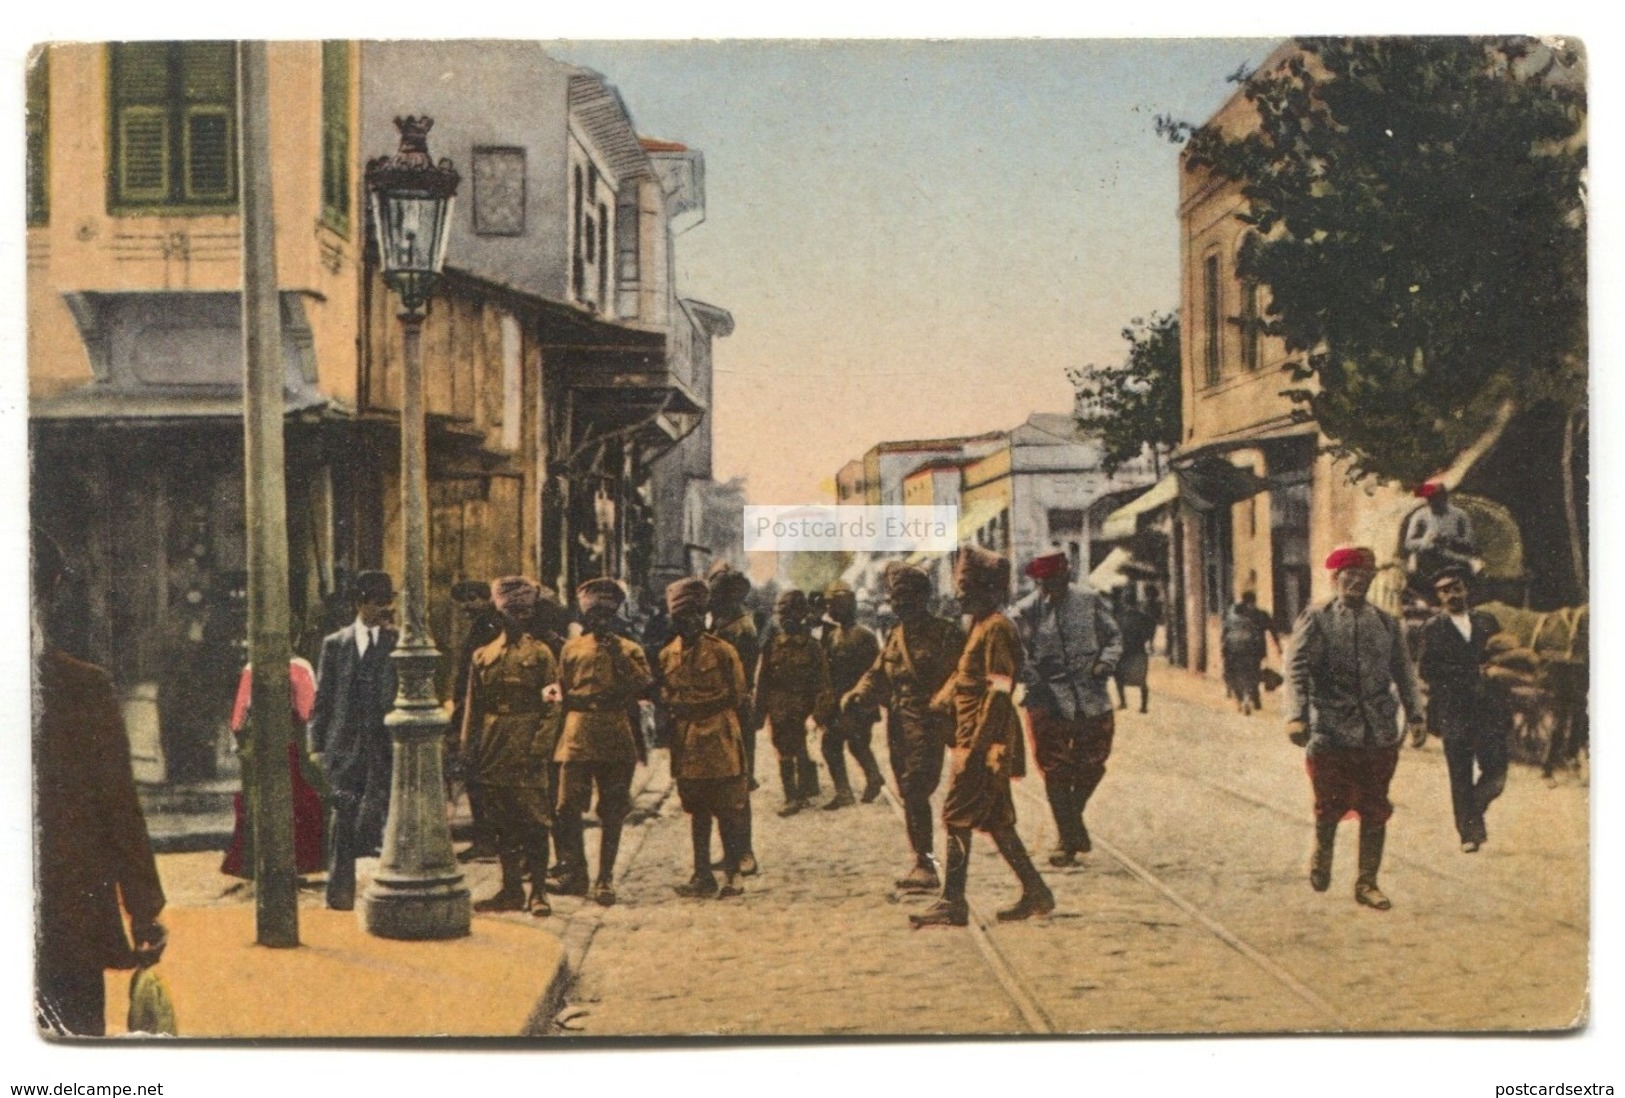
(807, 781)
(1320, 862)
(609, 848)
(792, 789)
(569, 878)
(511, 896)
(843, 796)
(1065, 810)
(1366, 891)
(873, 783)
(702, 883)
(922, 878)
(1036, 898)
(951, 909)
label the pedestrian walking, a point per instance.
(987, 746)
(1438, 535)
(93, 857)
(1072, 647)
(483, 624)
(1244, 634)
(305, 780)
(1348, 674)
(791, 686)
(702, 683)
(603, 676)
(355, 690)
(510, 730)
(1137, 628)
(1463, 709)
(850, 649)
(732, 622)
(920, 654)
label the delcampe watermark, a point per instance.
(827, 528)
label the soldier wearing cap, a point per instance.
(987, 747)
(792, 685)
(602, 677)
(1073, 645)
(509, 733)
(850, 649)
(702, 682)
(732, 622)
(920, 653)
(1347, 675)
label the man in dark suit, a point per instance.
(1461, 709)
(93, 851)
(355, 690)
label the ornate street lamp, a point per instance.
(418, 891)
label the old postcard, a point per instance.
(558, 540)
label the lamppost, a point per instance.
(418, 891)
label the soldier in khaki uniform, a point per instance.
(602, 677)
(792, 685)
(921, 651)
(987, 749)
(850, 649)
(510, 728)
(703, 682)
(730, 621)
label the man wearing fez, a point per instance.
(1347, 663)
(1437, 536)
(987, 745)
(485, 624)
(702, 682)
(509, 734)
(355, 690)
(920, 653)
(1073, 645)
(1462, 708)
(730, 621)
(602, 675)
(792, 685)
(93, 859)
(850, 649)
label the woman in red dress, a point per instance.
(307, 801)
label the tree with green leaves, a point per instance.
(1136, 404)
(1420, 207)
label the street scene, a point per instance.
(405, 416)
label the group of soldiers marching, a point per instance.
(543, 723)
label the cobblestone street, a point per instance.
(1192, 914)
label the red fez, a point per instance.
(1430, 489)
(1050, 564)
(1347, 557)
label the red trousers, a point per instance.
(1352, 782)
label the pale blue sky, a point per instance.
(916, 238)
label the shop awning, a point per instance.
(1211, 482)
(1124, 522)
(1108, 574)
(976, 516)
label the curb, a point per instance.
(583, 924)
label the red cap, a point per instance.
(1347, 557)
(1430, 489)
(1050, 564)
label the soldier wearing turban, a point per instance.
(918, 657)
(792, 685)
(732, 622)
(510, 728)
(603, 676)
(986, 751)
(850, 650)
(1348, 673)
(702, 682)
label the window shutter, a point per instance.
(143, 170)
(209, 73)
(209, 155)
(141, 72)
(39, 129)
(336, 135)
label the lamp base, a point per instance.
(416, 910)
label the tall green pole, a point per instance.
(276, 893)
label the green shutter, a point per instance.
(174, 122)
(209, 73)
(39, 131)
(336, 135)
(210, 153)
(141, 72)
(143, 169)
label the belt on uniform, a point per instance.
(584, 705)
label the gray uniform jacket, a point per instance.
(1064, 641)
(1347, 674)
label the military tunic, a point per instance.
(984, 720)
(702, 686)
(917, 659)
(792, 685)
(602, 681)
(509, 730)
